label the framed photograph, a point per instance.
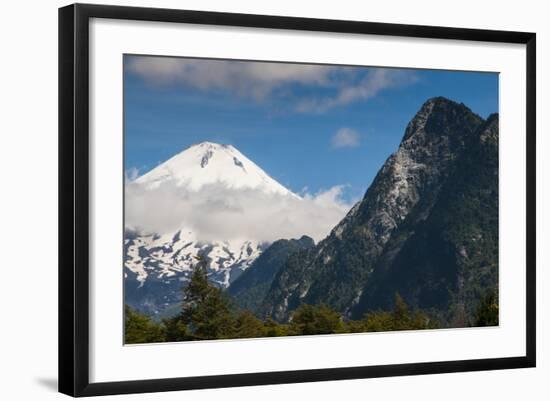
(250, 199)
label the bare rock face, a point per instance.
(444, 257)
(339, 269)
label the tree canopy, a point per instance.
(208, 313)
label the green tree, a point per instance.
(401, 318)
(274, 329)
(206, 310)
(487, 311)
(315, 319)
(140, 329)
(176, 329)
(378, 321)
(248, 326)
(356, 326)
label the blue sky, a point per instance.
(308, 127)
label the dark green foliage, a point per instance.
(315, 319)
(175, 330)
(199, 321)
(401, 318)
(487, 311)
(206, 310)
(274, 329)
(248, 326)
(139, 329)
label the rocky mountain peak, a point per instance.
(433, 139)
(438, 116)
(489, 133)
(409, 181)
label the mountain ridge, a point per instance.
(337, 270)
(254, 283)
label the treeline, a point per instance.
(207, 313)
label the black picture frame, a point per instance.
(74, 198)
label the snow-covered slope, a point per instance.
(170, 255)
(158, 264)
(211, 163)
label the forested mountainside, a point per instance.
(427, 228)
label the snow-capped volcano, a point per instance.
(210, 163)
(157, 264)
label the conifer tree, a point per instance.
(206, 310)
(175, 330)
(140, 329)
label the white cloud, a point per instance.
(264, 80)
(345, 138)
(376, 80)
(253, 79)
(216, 213)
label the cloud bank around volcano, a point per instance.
(218, 213)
